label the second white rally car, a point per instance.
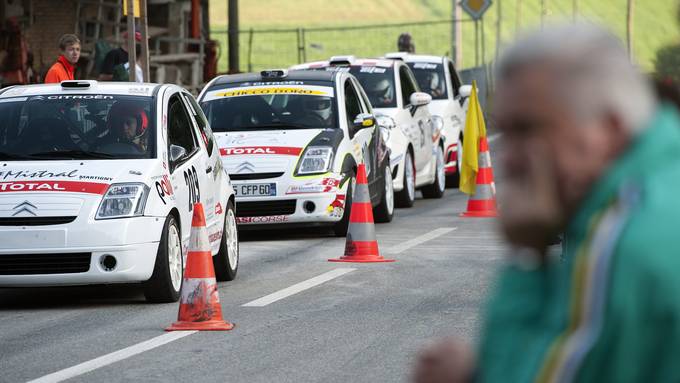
(437, 76)
(415, 138)
(98, 183)
(291, 142)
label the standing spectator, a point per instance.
(121, 72)
(590, 153)
(115, 57)
(405, 43)
(64, 68)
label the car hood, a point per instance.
(59, 188)
(263, 151)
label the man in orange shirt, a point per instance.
(64, 68)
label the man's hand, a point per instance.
(447, 360)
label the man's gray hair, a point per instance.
(592, 69)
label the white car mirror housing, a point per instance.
(465, 91)
(420, 99)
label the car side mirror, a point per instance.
(364, 120)
(419, 99)
(177, 153)
(465, 91)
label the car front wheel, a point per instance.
(407, 196)
(436, 189)
(385, 209)
(226, 260)
(166, 280)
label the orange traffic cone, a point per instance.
(361, 244)
(199, 306)
(483, 202)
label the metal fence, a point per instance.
(275, 48)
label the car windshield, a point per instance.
(378, 83)
(57, 127)
(245, 107)
(431, 78)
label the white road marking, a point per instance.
(494, 137)
(299, 287)
(418, 240)
(113, 357)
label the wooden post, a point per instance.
(132, 55)
(233, 36)
(499, 22)
(518, 16)
(459, 35)
(476, 43)
(144, 31)
(629, 27)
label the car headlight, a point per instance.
(315, 160)
(123, 200)
(437, 124)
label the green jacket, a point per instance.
(609, 310)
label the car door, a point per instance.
(210, 177)
(421, 131)
(360, 138)
(187, 169)
(453, 82)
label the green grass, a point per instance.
(655, 25)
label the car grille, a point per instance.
(35, 221)
(265, 208)
(254, 176)
(61, 263)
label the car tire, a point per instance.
(226, 259)
(453, 180)
(340, 228)
(436, 189)
(166, 281)
(407, 196)
(385, 209)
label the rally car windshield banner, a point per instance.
(265, 90)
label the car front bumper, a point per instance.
(133, 242)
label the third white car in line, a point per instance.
(415, 138)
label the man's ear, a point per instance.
(618, 134)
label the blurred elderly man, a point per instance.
(588, 153)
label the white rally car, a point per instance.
(98, 182)
(291, 142)
(437, 76)
(415, 139)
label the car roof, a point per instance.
(409, 57)
(293, 75)
(83, 87)
(379, 62)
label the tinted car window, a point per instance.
(431, 79)
(352, 103)
(378, 83)
(202, 122)
(407, 86)
(77, 126)
(180, 130)
(245, 106)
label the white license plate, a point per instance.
(255, 190)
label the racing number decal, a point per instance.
(191, 179)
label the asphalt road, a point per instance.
(363, 325)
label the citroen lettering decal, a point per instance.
(24, 207)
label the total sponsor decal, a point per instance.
(324, 185)
(264, 219)
(245, 150)
(53, 186)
